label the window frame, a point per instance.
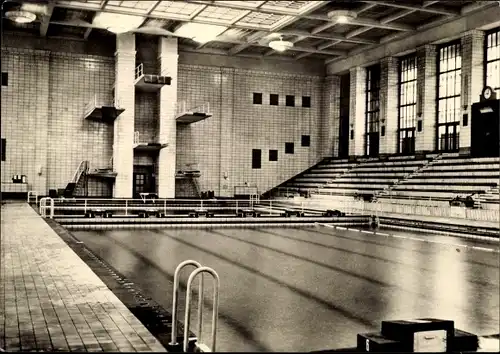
(371, 90)
(458, 117)
(410, 127)
(485, 58)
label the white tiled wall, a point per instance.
(238, 126)
(42, 116)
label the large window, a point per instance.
(407, 103)
(492, 60)
(372, 109)
(448, 96)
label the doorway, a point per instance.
(448, 136)
(373, 144)
(407, 141)
(144, 181)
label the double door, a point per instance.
(448, 136)
(407, 141)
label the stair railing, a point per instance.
(196, 186)
(80, 170)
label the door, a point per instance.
(344, 116)
(373, 142)
(448, 135)
(143, 180)
(485, 128)
(407, 141)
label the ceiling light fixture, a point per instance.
(281, 45)
(342, 16)
(20, 16)
(199, 32)
(117, 23)
(119, 30)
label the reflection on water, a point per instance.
(310, 289)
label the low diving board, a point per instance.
(104, 173)
(149, 83)
(192, 115)
(149, 147)
(101, 112)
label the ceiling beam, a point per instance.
(388, 19)
(329, 24)
(466, 10)
(45, 20)
(87, 32)
(239, 26)
(215, 51)
(270, 11)
(439, 11)
(84, 24)
(234, 21)
(304, 15)
(292, 19)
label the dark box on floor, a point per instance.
(425, 334)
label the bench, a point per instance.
(293, 212)
(330, 213)
(243, 213)
(203, 212)
(103, 213)
(146, 213)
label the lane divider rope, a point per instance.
(485, 249)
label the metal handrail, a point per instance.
(215, 308)
(139, 71)
(33, 194)
(43, 207)
(201, 108)
(175, 307)
(90, 105)
(81, 169)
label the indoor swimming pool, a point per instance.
(305, 289)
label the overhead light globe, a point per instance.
(118, 29)
(281, 45)
(342, 16)
(20, 16)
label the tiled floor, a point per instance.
(51, 300)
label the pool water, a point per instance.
(312, 288)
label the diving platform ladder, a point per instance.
(191, 343)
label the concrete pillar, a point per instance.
(227, 174)
(472, 80)
(389, 105)
(425, 140)
(357, 111)
(168, 57)
(123, 149)
(330, 120)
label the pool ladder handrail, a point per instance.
(175, 306)
(43, 207)
(215, 308)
